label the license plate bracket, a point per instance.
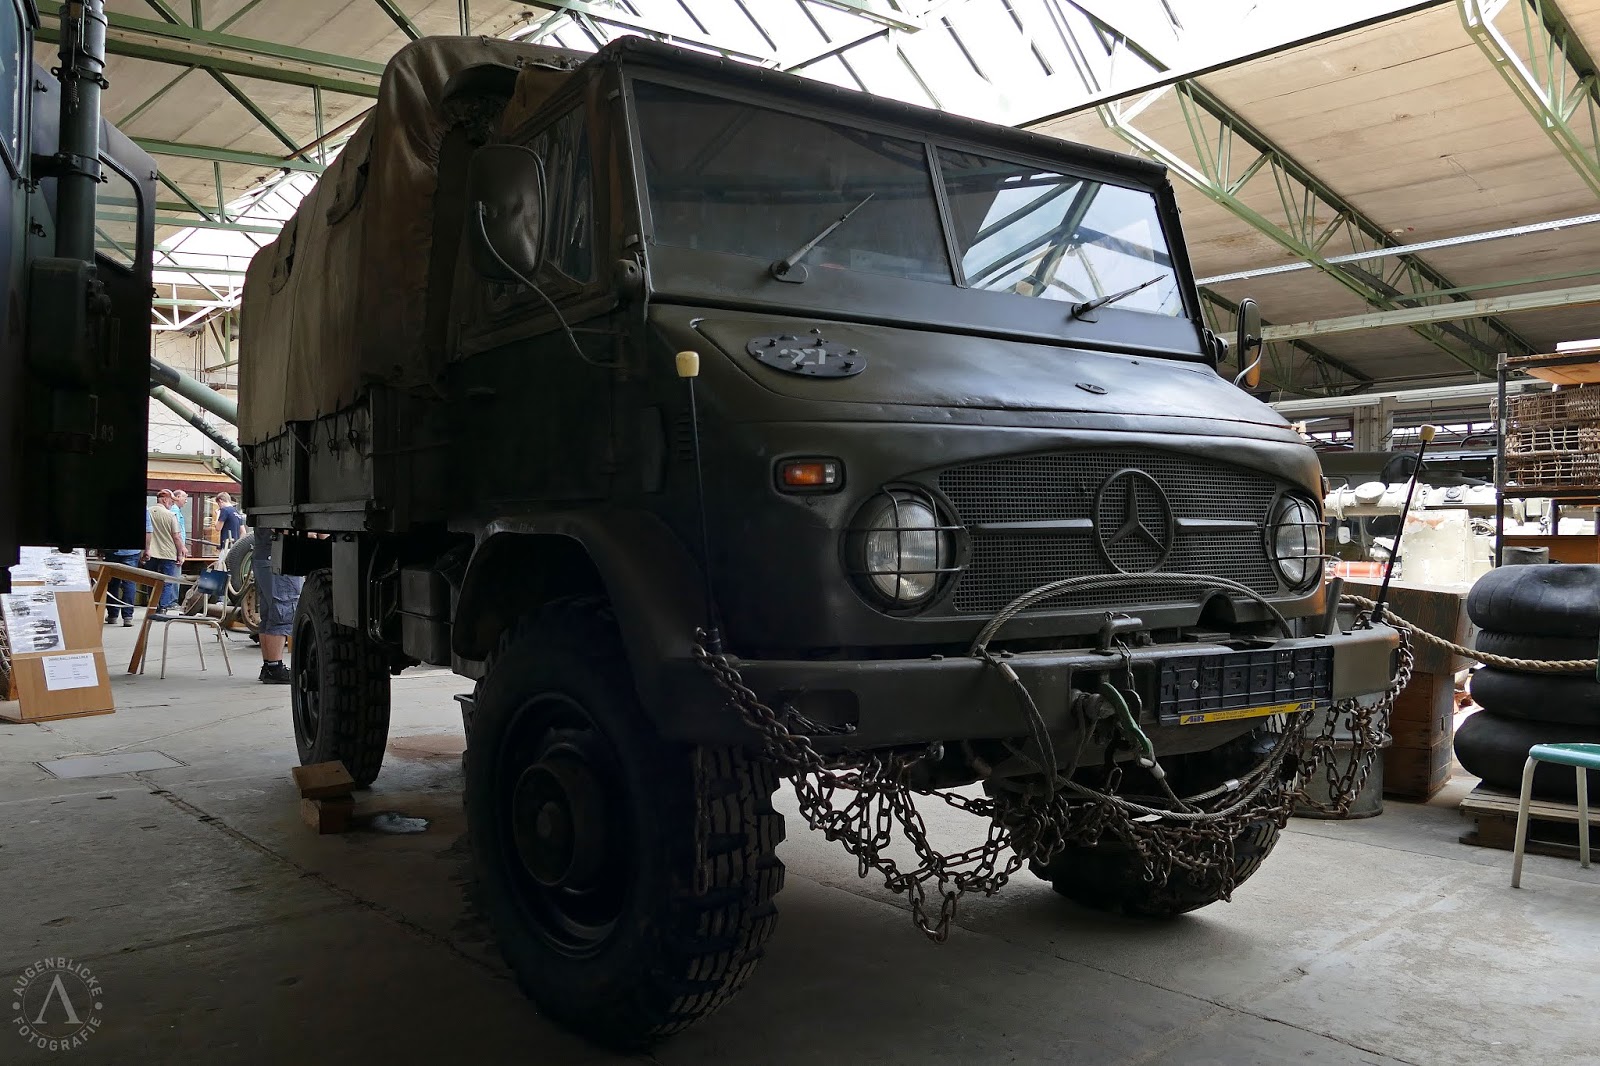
(1225, 686)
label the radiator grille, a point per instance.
(1062, 486)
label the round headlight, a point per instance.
(1296, 540)
(901, 549)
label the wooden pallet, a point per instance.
(1552, 827)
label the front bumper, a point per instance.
(891, 702)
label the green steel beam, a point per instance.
(611, 16)
(1310, 220)
(1286, 366)
(162, 42)
(225, 155)
(884, 12)
(1557, 81)
(172, 19)
(400, 18)
(150, 101)
(464, 10)
(237, 15)
(194, 223)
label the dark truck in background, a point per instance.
(940, 364)
(77, 224)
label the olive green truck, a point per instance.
(721, 425)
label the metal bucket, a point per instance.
(1369, 801)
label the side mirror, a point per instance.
(1249, 344)
(505, 213)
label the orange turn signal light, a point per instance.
(810, 475)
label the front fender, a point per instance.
(651, 581)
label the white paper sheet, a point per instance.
(70, 671)
(33, 621)
(62, 572)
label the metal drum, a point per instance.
(1369, 801)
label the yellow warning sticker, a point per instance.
(1242, 712)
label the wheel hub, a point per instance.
(559, 822)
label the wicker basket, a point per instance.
(1536, 409)
(1553, 467)
(1558, 437)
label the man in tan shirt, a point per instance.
(163, 546)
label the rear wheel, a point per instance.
(339, 691)
(586, 836)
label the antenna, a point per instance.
(1425, 435)
(688, 370)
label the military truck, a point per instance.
(77, 225)
(699, 414)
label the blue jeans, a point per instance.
(120, 594)
(169, 592)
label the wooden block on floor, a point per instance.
(1552, 826)
(323, 780)
(331, 815)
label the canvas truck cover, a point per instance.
(341, 299)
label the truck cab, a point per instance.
(752, 427)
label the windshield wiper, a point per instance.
(1088, 306)
(782, 268)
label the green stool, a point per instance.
(1584, 757)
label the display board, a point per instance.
(50, 639)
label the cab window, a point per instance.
(569, 196)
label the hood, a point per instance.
(921, 368)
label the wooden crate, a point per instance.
(1552, 827)
(1438, 609)
(1416, 773)
(1425, 712)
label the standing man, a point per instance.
(163, 547)
(120, 593)
(276, 595)
(180, 511)
(229, 522)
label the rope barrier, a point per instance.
(1530, 666)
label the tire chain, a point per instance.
(1197, 844)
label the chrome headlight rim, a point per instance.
(1310, 523)
(948, 538)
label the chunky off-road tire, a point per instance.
(339, 693)
(1544, 649)
(1572, 699)
(1550, 600)
(585, 836)
(1110, 877)
(1496, 748)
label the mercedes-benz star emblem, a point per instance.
(1133, 524)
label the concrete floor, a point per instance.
(223, 930)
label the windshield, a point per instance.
(1027, 230)
(726, 176)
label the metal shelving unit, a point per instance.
(1563, 368)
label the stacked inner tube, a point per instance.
(1547, 612)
